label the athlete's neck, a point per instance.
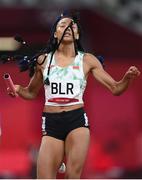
(66, 50)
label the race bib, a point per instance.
(65, 89)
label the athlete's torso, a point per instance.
(67, 84)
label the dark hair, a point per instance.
(52, 43)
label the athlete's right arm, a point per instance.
(36, 82)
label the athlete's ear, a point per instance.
(77, 36)
(55, 35)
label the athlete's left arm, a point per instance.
(116, 87)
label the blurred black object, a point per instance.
(19, 39)
(5, 58)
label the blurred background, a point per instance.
(111, 28)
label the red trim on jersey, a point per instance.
(75, 67)
(62, 100)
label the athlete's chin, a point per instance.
(67, 40)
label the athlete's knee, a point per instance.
(73, 172)
(45, 170)
(46, 173)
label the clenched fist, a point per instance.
(132, 73)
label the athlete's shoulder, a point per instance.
(91, 60)
(88, 57)
(41, 59)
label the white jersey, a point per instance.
(67, 84)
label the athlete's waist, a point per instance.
(58, 109)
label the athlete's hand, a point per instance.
(132, 73)
(11, 93)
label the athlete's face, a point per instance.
(61, 26)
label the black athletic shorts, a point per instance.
(59, 125)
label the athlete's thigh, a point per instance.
(76, 146)
(50, 156)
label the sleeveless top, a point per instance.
(67, 84)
